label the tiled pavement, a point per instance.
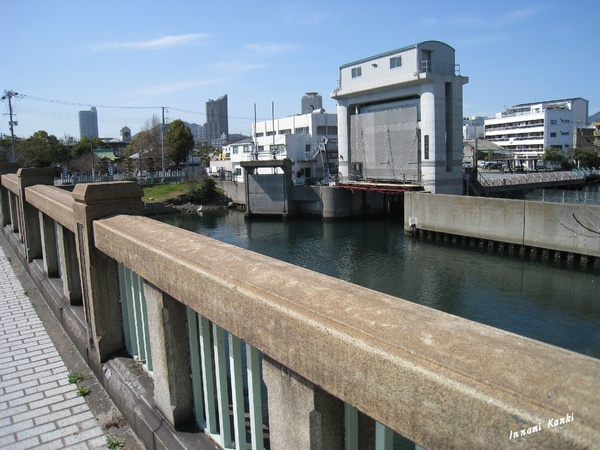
(39, 408)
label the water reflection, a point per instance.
(554, 302)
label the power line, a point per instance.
(63, 102)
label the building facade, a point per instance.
(473, 128)
(528, 129)
(311, 101)
(309, 140)
(217, 121)
(88, 123)
(400, 117)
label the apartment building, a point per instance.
(88, 123)
(217, 121)
(400, 117)
(529, 128)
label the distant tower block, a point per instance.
(88, 123)
(311, 101)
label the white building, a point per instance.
(400, 117)
(309, 140)
(473, 128)
(528, 129)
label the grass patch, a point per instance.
(165, 192)
(82, 391)
(75, 377)
(115, 443)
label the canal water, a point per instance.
(556, 302)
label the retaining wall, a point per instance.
(555, 226)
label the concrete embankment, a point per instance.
(569, 228)
(325, 201)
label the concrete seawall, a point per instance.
(555, 226)
(326, 201)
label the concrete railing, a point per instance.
(343, 365)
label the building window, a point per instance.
(553, 122)
(356, 72)
(395, 62)
(235, 150)
(246, 149)
(553, 134)
(426, 147)
(303, 130)
(238, 171)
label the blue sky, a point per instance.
(135, 56)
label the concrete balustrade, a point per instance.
(335, 355)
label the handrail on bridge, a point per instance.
(329, 347)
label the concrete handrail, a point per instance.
(54, 202)
(440, 380)
(10, 181)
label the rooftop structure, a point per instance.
(311, 101)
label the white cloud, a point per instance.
(236, 66)
(303, 14)
(430, 22)
(171, 88)
(518, 16)
(507, 19)
(269, 49)
(155, 44)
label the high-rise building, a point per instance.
(311, 101)
(88, 123)
(217, 121)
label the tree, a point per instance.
(85, 145)
(179, 142)
(586, 157)
(553, 155)
(5, 148)
(42, 150)
(146, 143)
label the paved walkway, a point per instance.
(39, 408)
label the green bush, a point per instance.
(205, 192)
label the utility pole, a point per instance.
(162, 145)
(9, 95)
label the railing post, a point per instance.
(29, 221)
(301, 415)
(170, 356)
(48, 238)
(6, 168)
(69, 267)
(99, 273)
